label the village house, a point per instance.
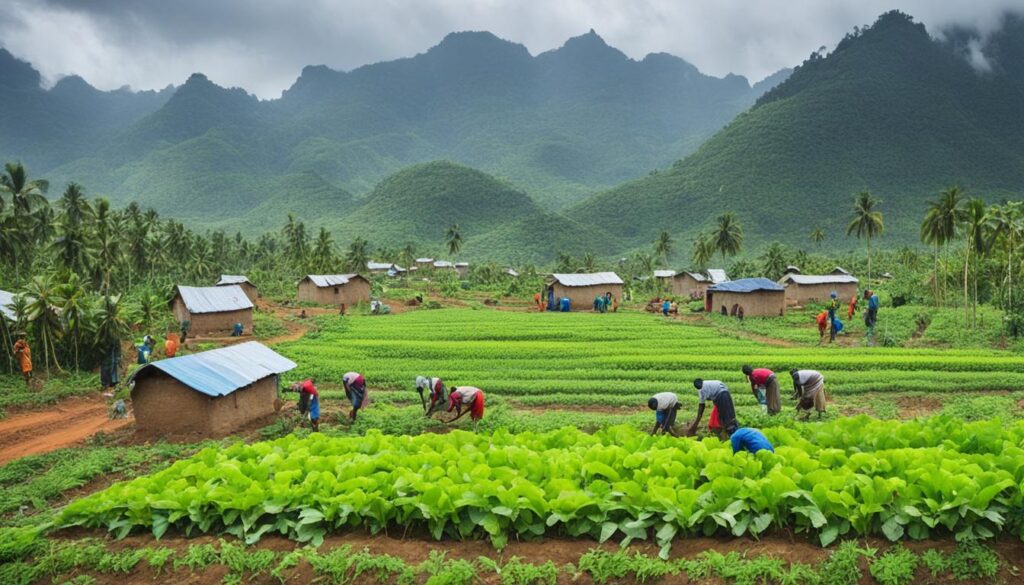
(581, 289)
(247, 287)
(212, 310)
(334, 289)
(747, 297)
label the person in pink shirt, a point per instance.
(765, 387)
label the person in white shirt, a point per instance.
(718, 393)
(665, 406)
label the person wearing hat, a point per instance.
(470, 397)
(765, 387)
(23, 353)
(309, 401)
(718, 393)
(665, 406)
(809, 389)
(355, 391)
(437, 392)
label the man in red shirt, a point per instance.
(765, 387)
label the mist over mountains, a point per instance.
(576, 149)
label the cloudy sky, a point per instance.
(262, 45)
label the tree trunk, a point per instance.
(967, 296)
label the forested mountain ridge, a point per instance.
(891, 110)
(560, 125)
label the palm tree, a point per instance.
(323, 252)
(727, 235)
(111, 326)
(25, 195)
(43, 301)
(72, 246)
(588, 263)
(703, 251)
(1008, 222)
(453, 239)
(774, 260)
(357, 256)
(977, 223)
(74, 311)
(21, 231)
(663, 246)
(817, 236)
(941, 223)
(866, 221)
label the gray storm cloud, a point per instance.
(261, 45)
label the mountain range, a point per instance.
(576, 149)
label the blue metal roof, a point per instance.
(745, 285)
(220, 372)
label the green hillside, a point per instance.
(418, 204)
(890, 109)
(561, 125)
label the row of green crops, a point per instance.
(588, 355)
(854, 476)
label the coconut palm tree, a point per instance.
(817, 236)
(588, 263)
(663, 246)
(774, 260)
(323, 253)
(727, 235)
(74, 311)
(453, 239)
(25, 195)
(357, 256)
(703, 251)
(866, 221)
(111, 325)
(941, 223)
(977, 226)
(43, 301)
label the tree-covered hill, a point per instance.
(561, 125)
(891, 110)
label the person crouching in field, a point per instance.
(665, 406)
(809, 389)
(750, 440)
(470, 397)
(309, 401)
(436, 391)
(765, 387)
(718, 393)
(355, 391)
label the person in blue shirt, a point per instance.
(665, 307)
(750, 440)
(237, 330)
(145, 350)
(871, 315)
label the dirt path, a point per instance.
(60, 425)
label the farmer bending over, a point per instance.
(437, 392)
(355, 391)
(470, 397)
(718, 393)
(765, 387)
(750, 440)
(809, 388)
(309, 401)
(665, 406)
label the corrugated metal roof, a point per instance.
(424, 260)
(840, 270)
(220, 372)
(595, 278)
(443, 264)
(322, 280)
(226, 279)
(820, 279)
(378, 266)
(461, 264)
(745, 285)
(717, 275)
(697, 276)
(664, 273)
(6, 300)
(214, 299)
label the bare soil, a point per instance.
(60, 425)
(917, 406)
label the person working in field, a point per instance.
(466, 396)
(871, 316)
(309, 401)
(23, 353)
(809, 389)
(833, 307)
(852, 308)
(822, 320)
(750, 440)
(666, 306)
(355, 391)
(538, 300)
(171, 345)
(765, 387)
(145, 350)
(718, 393)
(665, 406)
(436, 391)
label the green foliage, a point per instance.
(843, 566)
(895, 567)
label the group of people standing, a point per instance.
(808, 388)
(828, 320)
(602, 303)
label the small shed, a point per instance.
(334, 289)
(747, 297)
(424, 262)
(384, 268)
(581, 289)
(805, 288)
(462, 268)
(212, 310)
(694, 285)
(443, 265)
(6, 304)
(214, 392)
(247, 286)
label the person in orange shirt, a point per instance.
(853, 307)
(171, 345)
(23, 353)
(537, 298)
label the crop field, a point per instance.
(558, 483)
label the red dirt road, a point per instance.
(60, 425)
